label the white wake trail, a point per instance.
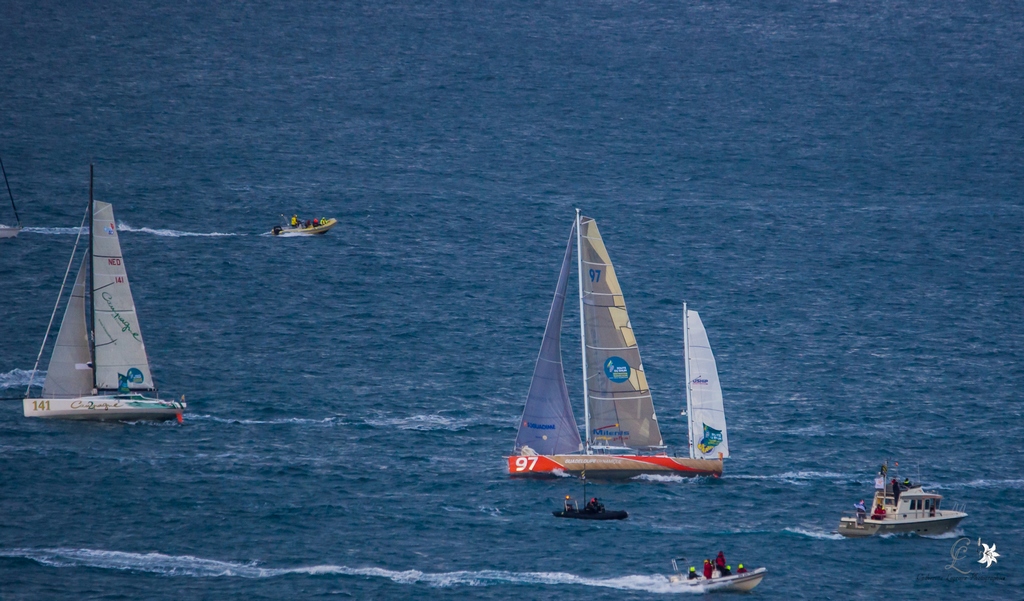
(197, 567)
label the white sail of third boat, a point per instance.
(708, 436)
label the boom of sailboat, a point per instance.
(622, 436)
(99, 369)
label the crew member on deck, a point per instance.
(720, 561)
(742, 570)
(693, 574)
(707, 569)
(295, 221)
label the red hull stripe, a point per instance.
(544, 464)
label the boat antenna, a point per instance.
(9, 193)
(56, 305)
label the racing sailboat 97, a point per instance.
(622, 434)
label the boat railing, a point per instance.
(960, 507)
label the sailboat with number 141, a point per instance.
(99, 369)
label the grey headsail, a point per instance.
(70, 372)
(619, 400)
(548, 425)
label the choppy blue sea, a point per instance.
(835, 186)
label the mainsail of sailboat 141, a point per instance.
(99, 369)
(622, 434)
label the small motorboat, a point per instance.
(733, 582)
(304, 230)
(593, 510)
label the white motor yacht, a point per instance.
(903, 511)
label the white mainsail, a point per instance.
(121, 362)
(69, 374)
(708, 437)
(620, 408)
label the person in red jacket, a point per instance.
(720, 562)
(707, 569)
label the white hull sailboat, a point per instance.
(623, 438)
(99, 369)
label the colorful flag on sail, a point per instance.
(712, 438)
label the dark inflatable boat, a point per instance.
(591, 515)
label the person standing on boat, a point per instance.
(295, 221)
(895, 491)
(859, 506)
(720, 562)
(707, 569)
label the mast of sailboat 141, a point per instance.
(583, 329)
(686, 366)
(92, 309)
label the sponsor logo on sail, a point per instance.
(121, 321)
(135, 376)
(712, 438)
(540, 426)
(616, 369)
(109, 229)
(699, 381)
(611, 431)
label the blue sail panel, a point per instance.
(548, 426)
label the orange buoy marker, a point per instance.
(181, 420)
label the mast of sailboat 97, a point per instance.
(686, 367)
(16, 216)
(583, 329)
(89, 301)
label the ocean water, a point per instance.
(835, 186)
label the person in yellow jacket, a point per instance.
(295, 221)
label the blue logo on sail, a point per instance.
(135, 376)
(616, 369)
(711, 439)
